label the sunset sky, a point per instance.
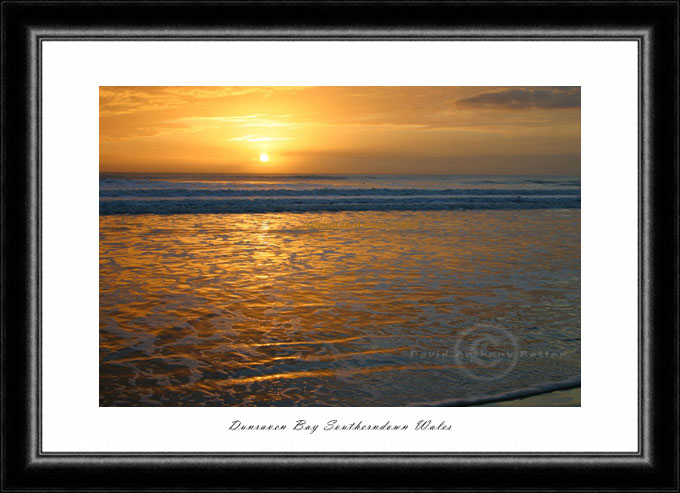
(451, 130)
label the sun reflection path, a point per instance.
(256, 310)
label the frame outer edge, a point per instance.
(30, 469)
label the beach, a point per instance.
(558, 398)
(338, 291)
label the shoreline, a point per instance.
(556, 398)
(568, 391)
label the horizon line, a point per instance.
(322, 173)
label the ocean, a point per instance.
(337, 290)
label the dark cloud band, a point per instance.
(526, 98)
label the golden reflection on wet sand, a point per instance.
(259, 310)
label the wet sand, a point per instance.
(422, 308)
(560, 398)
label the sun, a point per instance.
(264, 158)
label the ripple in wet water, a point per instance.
(261, 310)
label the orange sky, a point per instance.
(360, 129)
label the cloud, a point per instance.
(254, 138)
(117, 100)
(526, 98)
(255, 120)
(114, 133)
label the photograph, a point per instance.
(340, 246)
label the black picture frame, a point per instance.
(653, 24)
